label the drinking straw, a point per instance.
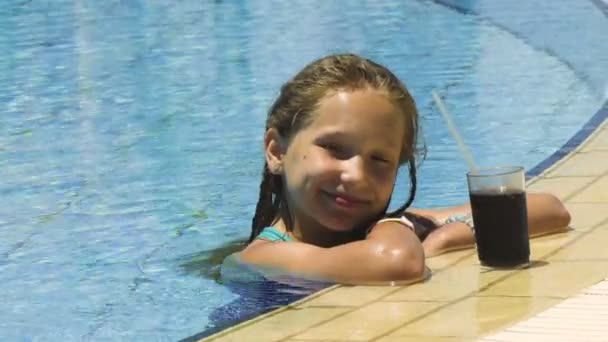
(464, 150)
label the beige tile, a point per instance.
(450, 284)
(587, 215)
(470, 259)
(593, 163)
(316, 294)
(299, 340)
(440, 262)
(466, 256)
(475, 316)
(570, 335)
(544, 246)
(368, 322)
(583, 317)
(557, 279)
(295, 340)
(592, 245)
(425, 339)
(598, 142)
(279, 326)
(350, 296)
(596, 193)
(561, 187)
(403, 339)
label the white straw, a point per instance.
(466, 153)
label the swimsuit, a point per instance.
(273, 234)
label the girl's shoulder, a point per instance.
(262, 247)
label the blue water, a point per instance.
(130, 134)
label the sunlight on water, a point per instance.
(131, 133)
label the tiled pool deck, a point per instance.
(461, 302)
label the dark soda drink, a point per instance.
(501, 228)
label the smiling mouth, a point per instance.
(345, 201)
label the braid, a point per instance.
(267, 207)
(412, 169)
(413, 183)
(423, 226)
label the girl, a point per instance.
(335, 139)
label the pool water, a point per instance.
(131, 132)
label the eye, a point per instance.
(329, 146)
(336, 150)
(381, 159)
(332, 147)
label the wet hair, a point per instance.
(294, 109)
(423, 226)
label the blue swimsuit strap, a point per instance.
(273, 234)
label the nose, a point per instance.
(353, 170)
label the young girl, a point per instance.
(335, 139)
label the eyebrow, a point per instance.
(388, 142)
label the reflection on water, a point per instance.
(254, 298)
(258, 290)
(207, 264)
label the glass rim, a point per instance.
(494, 171)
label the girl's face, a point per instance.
(340, 170)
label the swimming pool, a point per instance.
(130, 134)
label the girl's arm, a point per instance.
(546, 215)
(391, 252)
(447, 238)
